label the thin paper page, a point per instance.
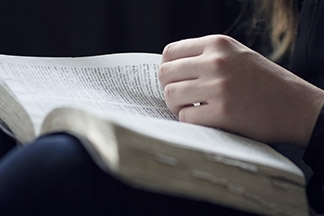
(209, 140)
(125, 83)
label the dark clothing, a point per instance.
(56, 176)
(308, 63)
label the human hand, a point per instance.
(240, 91)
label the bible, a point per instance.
(114, 104)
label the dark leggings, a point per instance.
(55, 176)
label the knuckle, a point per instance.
(217, 62)
(173, 109)
(169, 91)
(183, 116)
(162, 72)
(167, 52)
(220, 41)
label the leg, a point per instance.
(56, 176)
(6, 143)
(53, 176)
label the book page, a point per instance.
(218, 145)
(123, 83)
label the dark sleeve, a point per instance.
(307, 62)
(314, 157)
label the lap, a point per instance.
(55, 176)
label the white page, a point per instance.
(125, 83)
(208, 140)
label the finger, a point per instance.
(205, 115)
(181, 94)
(183, 49)
(178, 70)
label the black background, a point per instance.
(90, 27)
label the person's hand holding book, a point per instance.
(240, 91)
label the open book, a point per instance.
(114, 104)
